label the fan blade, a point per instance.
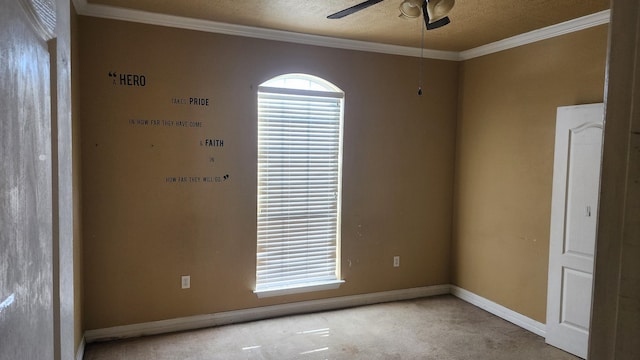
(436, 24)
(351, 10)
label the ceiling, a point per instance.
(473, 22)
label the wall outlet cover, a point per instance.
(186, 281)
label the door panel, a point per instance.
(574, 210)
(576, 288)
(582, 189)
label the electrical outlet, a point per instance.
(186, 281)
(396, 261)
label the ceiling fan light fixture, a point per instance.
(438, 9)
(410, 8)
(435, 13)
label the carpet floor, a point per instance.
(438, 328)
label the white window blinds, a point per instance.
(299, 172)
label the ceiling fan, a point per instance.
(434, 11)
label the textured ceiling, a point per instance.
(473, 22)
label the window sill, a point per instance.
(302, 288)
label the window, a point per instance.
(299, 185)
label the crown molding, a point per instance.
(115, 13)
(548, 32)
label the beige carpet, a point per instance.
(438, 328)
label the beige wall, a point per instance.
(504, 162)
(140, 233)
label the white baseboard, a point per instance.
(80, 351)
(500, 311)
(236, 316)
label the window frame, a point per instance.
(325, 90)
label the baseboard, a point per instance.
(500, 311)
(237, 316)
(80, 351)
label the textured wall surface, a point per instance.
(26, 281)
(63, 194)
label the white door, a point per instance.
(574, 214)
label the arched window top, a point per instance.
(301, 82)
